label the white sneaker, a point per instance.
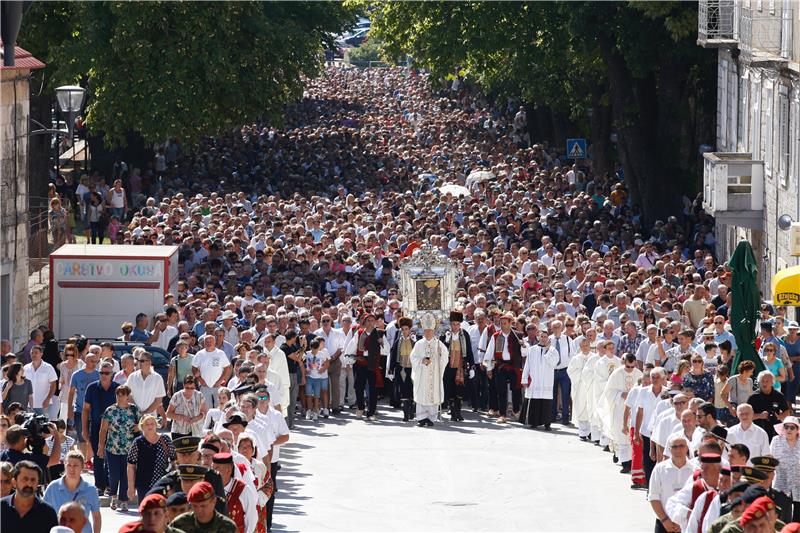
(308, 414)
(359, 413)
(315, 416)
(326, 413)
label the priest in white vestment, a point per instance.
(428, 361)
(587, 388)
(619, 384)
(278, 364)
(580, 404)
(538, 375)
(603, 367)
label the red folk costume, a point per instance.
(514, 351)
(235, 507)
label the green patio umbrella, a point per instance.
(745, 302)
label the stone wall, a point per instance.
(14, 112)
(39, 299)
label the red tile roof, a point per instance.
(22, 60)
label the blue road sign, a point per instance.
(576, 148)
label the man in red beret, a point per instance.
(153, 511)
(759, 517)
(203, 516)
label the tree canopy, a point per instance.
(185, 69)
(638, 59)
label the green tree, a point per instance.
(635, 63)
(184, 69)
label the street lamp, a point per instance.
(70, 100)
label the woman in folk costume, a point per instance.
(428, 361)
(603, 367)
(581, 416)
(459, 350)
(538, 375)
(619, 384)
(399, 365)
(263, 479)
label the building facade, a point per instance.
(14, 114)
(752, 177)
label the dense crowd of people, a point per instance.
(571, 311)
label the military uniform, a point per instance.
(219, 524)
(734, 527)
(782, 500)
(171, 482)
(719, 524)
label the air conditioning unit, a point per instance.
(794, 239)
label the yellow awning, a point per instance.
(786, 286)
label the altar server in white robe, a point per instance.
(537, 377)
(605, 365)
(587, 387)
(619, 384)
(428, 361)
(278, 365)
(580, 403)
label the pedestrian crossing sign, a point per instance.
(576, 148)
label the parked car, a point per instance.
(161, 357)
(357, 37)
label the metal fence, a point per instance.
(715, 19)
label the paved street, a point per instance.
(347, 475)
(478, 476)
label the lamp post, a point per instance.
(69, 99)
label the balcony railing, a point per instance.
(765, 37)
(733, 187)
(715, 22)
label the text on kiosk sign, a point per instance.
(107, 269)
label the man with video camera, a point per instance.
(31, 435)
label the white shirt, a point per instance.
(334, 340)
(664, 428)
(646, 401)
(563, 346)
(277, 424)
(643, 352)
(211, 365)
(666, 480)
(488, 358)
(145, 390)
(755, 438)
(262, 434)
(40, 380)
(164, 337)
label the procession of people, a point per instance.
(572, 311)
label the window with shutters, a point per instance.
(744, 115)
(732, 104)
(722, 105)
(782, 146)
(794, 141)
(755, 124)
(766, 128)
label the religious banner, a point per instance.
(428, 283)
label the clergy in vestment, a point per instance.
(587, 389)
(580, 404)
(619, 384)
(428, 361)
(603, 367)
(537, 378)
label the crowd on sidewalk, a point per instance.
(571, 312)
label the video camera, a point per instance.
(37, 426)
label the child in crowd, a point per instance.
(113, 229)
(316, 363)
(720, 379)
